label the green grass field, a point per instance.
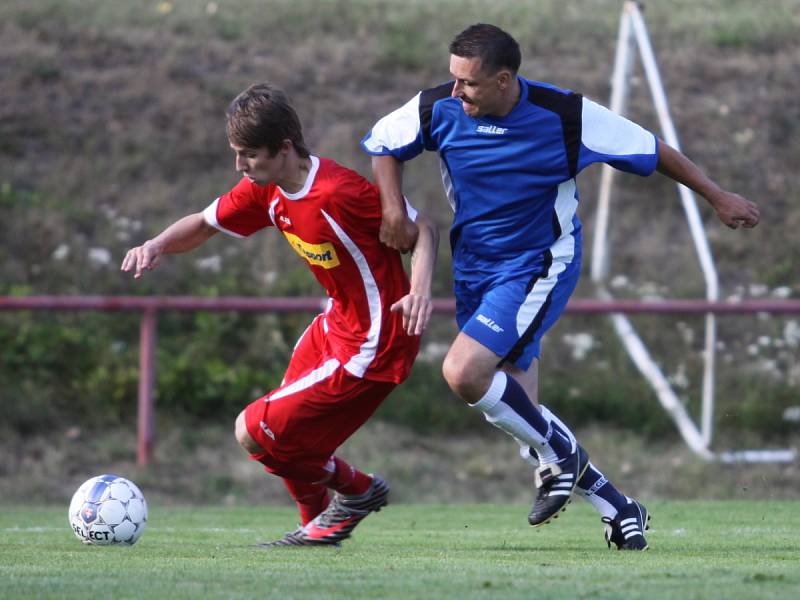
(698, 550)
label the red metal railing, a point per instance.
(150, 305)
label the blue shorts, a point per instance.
(509, 316)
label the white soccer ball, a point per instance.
(108, 509)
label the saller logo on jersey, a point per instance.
(323, 255)
(490, 323)
(493, 129)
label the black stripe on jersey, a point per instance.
(536, 324)
(568, 106)
(427, 98)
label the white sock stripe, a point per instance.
(552, 418)
(493, 394)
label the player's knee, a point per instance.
(244, 438)
(468, 383)
(450, 372)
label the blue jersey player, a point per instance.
(510, 150)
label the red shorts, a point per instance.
(316, 408)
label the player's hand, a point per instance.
(142, 258)
(400, 233)
(416, 310)
(733, 210)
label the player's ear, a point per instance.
(504, 79)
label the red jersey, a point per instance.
(333, 223)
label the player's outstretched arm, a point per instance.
(417, 305)
(732, 209)
(183, 235)
(397, 230)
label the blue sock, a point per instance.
(516, 398)
(601, 493)
(506, 406)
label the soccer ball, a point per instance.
(108, 509)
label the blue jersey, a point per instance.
(511, 179)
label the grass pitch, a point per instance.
(698, 550)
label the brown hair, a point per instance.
(261, 117)
(496, 48)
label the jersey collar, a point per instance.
(312, 173)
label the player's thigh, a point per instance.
(314, 414)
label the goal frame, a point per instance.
(632, 37)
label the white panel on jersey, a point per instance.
(358, 364)
(562, 251)
(317, 375)
(328, 308)
(397, 129)
(448, 184)
(410, 210)
(606, 132)
(271, 211)
(210, 216)
(566, 204)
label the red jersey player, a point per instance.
(355, 352)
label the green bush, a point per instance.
(66, 369)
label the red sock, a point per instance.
(311, 498)
(348, 480)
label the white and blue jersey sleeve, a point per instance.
(399, 133)
(406, 132)
(610, 138)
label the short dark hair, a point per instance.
(496, 48)
(262, 117)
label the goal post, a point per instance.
(632, 37)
